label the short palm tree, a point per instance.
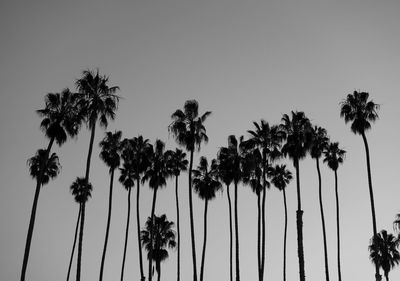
(81, 190)
(163, 238)
(280, 178)
(361, 112)
(177, 163)
(206, 184)
(333, 156)
(383, 251)
(189, 131)
(110, 154)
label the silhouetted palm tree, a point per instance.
(163, 237)
(280, 177)
(189, 131)
(320, 142)
(81, 189)
(334, 156)
(60, 119)
(383, 251)
(110, 154)
(206, 184)
(396, 225)
(360, 111)
(297, 129)
(177, 162)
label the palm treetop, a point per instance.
(136, 152)
(50, 164)
(111, 146)
(176, 161)
(280, 176)
(333, 155)
(205, 181)
(81, 189)
(319, 142)
(157, 172)
(253, 171)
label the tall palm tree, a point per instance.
(205, 184)
(189, 131)
(176, 163)
(81, 189)
(61, 119)
(319, 144)
(297, 129)
(383, 251)
(334, 156)
(361, 112)
(110, 154)
(280, 178)
(164, 237)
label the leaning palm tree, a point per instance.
(110, 154)
(383, 251)
(334, 156)
(61, 119)
(361, 112)
(81, 189)
(189, 131)
(176, 163)
(297, 129)
(320, 142)
(205, 184)
(163, 237)
(280, 178)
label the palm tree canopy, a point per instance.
(110, 149)
(356, 108)
(396, 224)
(157, 172)
(81, 189)
(51, 166)
(97, 99)
(383, 250)
(280, 176)
(187, 126)
(127, 175)
(176, 161)
(333, 155)
(205, 181)
(61, 116)
(319, 141)
(137, 151)
(253, 170)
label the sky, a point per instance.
(242, 60)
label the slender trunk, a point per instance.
(299, 222)
(284, 236)
(151, 233)
(73, 245)
(33, 212)
(158, 271)
(322, 220)
(230, 235)
(371, 196)
(126, 233)
(237, 234)
(259, 236)
(142, 278)
(337, 227)
(79, 262)
(205, 240)
(178, 230)
(263, 220)
(387, 276)
(89, 156)
(191, 218)
(103, 257)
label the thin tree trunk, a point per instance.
(322, 220)
(387, 276)
(284, 236)
(230, 235)
(205, 240)
(126, 233)
(191, 218)
(151, 233)
(263, 221)
(237, 234)
(103, 257)
(259, 236)
(178, 230)
(79, 262)
(142, 278)
(371, 196)
(158, 271)
(299, 222)
(89, 156)
(33, 212)
(73, 245)
(337, 227)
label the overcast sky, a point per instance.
(242, 60)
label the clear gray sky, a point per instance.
(243, 60)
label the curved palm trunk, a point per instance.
(178, 230)
(153, 207)
(158, 266)
(237, 235)
(263, 222)
(73, 244)
(371, 196)
(230, 235)
(322, 220)
(259, 236)
(205, 241)
(337, 227)
(284, 236)
(33, 214)
(126, 233)
(79, 262)
(142, 278)
(299, 223)
(191, 218)
(103, 257)
(89, 156)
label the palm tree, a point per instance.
(205, 184)
(361, 112)
(164, 237)
(177, 162)
(297, 143)
(60, 119)
(81, 189)
(111, 146)
(334, 156)
(396, 225)
(320, 142)
(280, 178)
(383, 251)
(189, 131)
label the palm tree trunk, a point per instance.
(89, 156)
(284, 236)
(79, 262)
(259, 236)
(142, 278)
(263, 221)
(73, 245)
(158, 271)
(299, 222)
(322, 220)
(337, 227)
(191, 218)
(230, 235)
(151, 233)
(33, 213)
(126, 233)
(178, 230)
(103, 257)
(205, 241)
(237, 234)
(371, 196)
(387, 276)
